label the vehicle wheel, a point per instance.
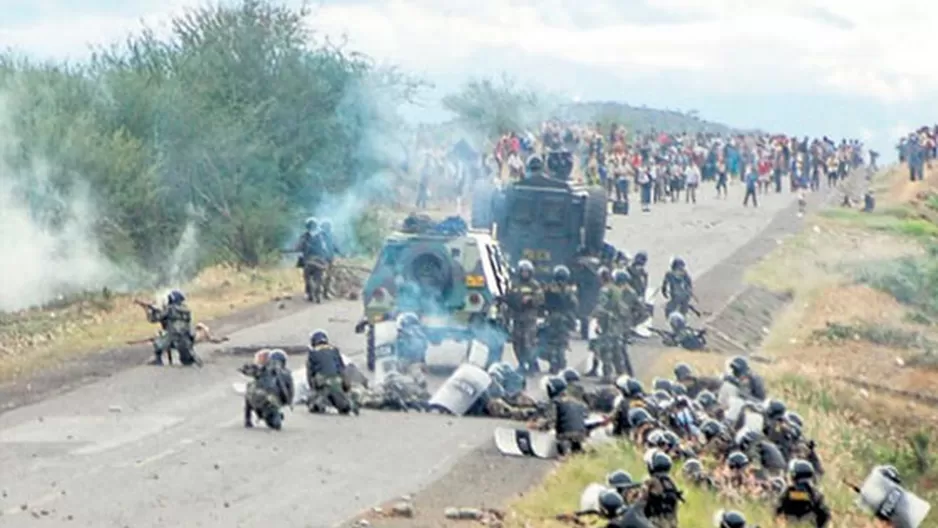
(594, 221)
(370, 348)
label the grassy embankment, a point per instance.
(864, 312)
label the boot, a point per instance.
(247, 416)
(157, 361)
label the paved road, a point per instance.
(165, 447)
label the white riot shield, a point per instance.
(903, 508)
(753, 420)
(589, 499)
(385, 334)
(461, 389)
(643, 329)
(727, 394)
(525, 443)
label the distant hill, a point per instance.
(640, 119)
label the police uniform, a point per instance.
(661, 501)
(801, 502)
(325, 373)
(530, 297)
(567, 417)
(560, 301)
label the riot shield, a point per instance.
(879, 495)
(461, 389)
(771, 457)
(385, 334)
(525, 443)
(300, 386)
(643, 329)
(735, 407)
(753, 420)
(589, 499)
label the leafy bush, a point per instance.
(240, 121)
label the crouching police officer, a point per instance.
(661, 493)
(801, 501)
(271, 389)
(729, 519)
(325, 373)
(566, 416)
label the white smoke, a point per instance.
(39, 261)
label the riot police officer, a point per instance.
(662, 495)
(685, 375)
(677, 288)
(801, 501)
(633, 395)
(560, 302)
(729, 519)
(524, 302)
(325, 373)
(566, 416)
(638, 274)
(751, 385)
(411, 344)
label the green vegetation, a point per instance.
(913, 281)
(900, 221)
(241, 122)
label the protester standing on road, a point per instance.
(692, 180)
(752, 181)
(721, 177)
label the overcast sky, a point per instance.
(839, 67)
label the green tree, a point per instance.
(494, 106)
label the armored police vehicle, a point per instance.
(549, 219)
(451, 277)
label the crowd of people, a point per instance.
(918, 149)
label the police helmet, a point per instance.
(326, 226)
(311, 223)
(570, 375)
(729, 519)
(554, 386)
(800, 470)
(620, 276)
(604, 274)
(318, 337)
(407, 320)
(683, 372)
(793, 433)
(262, 356)
(777, 484)
(677, 263)
(659, 463)
(641, 258)
(661, 384)
(794, 418)
(525, 265)
(661, 396)
(671, 440)
(610, 503)
(691, 467)
(561, 273)
(891, 473)
(175, 297)
(745, 438)
(738, 366)
(497, 370)
(655, 438)
(711, 429)
(706, 399)
(638, 417)
(737, 460)
(535, 164)
(619, 479)
(678, 390)
(676, 319)
(775, 409)
(629, 386)
(278, 356)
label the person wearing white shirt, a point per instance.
(692, 180)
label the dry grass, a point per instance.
(855, 429)
(36, 339)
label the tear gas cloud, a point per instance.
(47, 242)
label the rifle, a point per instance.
(141, 341)
(150, 307)
(850, 485)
